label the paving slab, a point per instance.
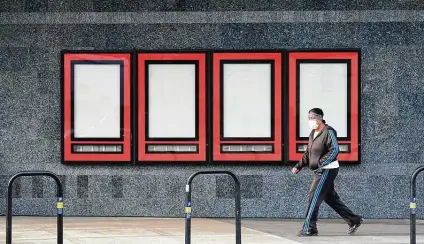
(79, 230)
(108, 230)
(335, 231)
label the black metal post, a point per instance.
(59, 204)
(188, 205)
(188, 214)
(413, 205)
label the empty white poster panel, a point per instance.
(97, 100)
(172, 100)
(246, 100)
(324, 85)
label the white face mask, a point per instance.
(313, 124)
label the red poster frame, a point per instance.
(276, 140)
(70, 156)
(200, 141)
(352, 141)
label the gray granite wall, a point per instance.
(32, 34)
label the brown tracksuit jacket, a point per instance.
(321, 151)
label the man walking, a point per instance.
(321, 157)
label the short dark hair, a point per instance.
(317, 111)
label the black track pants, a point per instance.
(322, 189)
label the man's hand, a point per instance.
(295, 170)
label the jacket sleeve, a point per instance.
(333, 149)
(304, 161)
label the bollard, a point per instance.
(188, 205)
(59, 204)
(413, 206)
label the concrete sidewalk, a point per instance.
(204, 231)
(334, 231)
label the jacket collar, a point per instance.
(313, 132)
